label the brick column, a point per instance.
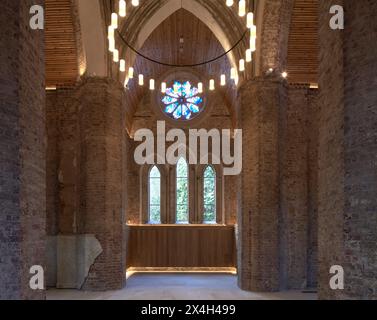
(347, 150)
(22, 145)
(102, 140)
(258, 248)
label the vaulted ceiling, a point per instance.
(181, 39)
(206, 34)
(199, 42)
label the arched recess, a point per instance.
(144, 192)
(219, 182)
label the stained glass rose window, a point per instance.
(182, 101)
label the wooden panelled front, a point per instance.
(178, 246)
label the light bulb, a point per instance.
(122, 8)
(111, 44)
(116, 55)
(126, 82)
(141, 80)
(131, 73)
(242, 8)
(114, 20)
(250, 20)
(233, 73)
(163, 87)
(253, 44)
(253, 31)
(211, 84)
(151, 84)
(249, 55)
(135, 3)
(200, 87)
(122, 65)
(284, 75)
(229, 3)
(110, 32)
(223, 80)
(242, 65)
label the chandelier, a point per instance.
(130, 73)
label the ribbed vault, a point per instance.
(208, 27)
(76, 40)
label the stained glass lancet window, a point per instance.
(154, 196)
(182, 101)
(182, 193)
(209, 195)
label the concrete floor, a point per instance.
(166, 286)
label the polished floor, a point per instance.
(166, 286)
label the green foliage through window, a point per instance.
(154, 196)
(209, 195)
(182, 194)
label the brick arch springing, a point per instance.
(273, 25)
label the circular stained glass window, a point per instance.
(182, 101)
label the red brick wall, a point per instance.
(101, 138)
(312, 123)
(52, 163)
(258, 256)
(86, 145)
(331, 154)
(294, 189)
(22, 144)
(275, 34)
(63, 160)
(347, 177)
(298, 189)
(360, 133)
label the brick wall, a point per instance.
(278, 208)
(22, 145)
(63, 159)
(69, 160)
(101, 139)
(258, 250)
(298, 188)
(360, 143)
(52, 163)
(312, 248)
(347, 140)
(294, 222)
(275, 34)
(86, 146)
(331, 154)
